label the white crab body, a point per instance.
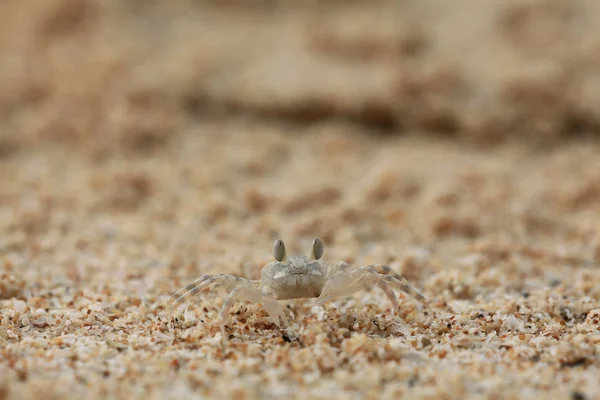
(296, 278)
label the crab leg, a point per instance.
(345, 283)
(274, 308)
(399, 282)
(229, 282)
(189, 290)
(242, 292)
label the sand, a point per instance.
(144, 144)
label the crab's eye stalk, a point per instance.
(279, 250)
(318, 248)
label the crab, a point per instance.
(297, 277)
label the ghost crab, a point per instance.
(297, 277)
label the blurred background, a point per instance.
(107, 76)
(190, 134)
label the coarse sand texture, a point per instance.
(144, 144)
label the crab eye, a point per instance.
(318, 248)
(279, 250)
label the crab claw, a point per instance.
(337, 286)
(321, 299)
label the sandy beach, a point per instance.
(145, 144)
